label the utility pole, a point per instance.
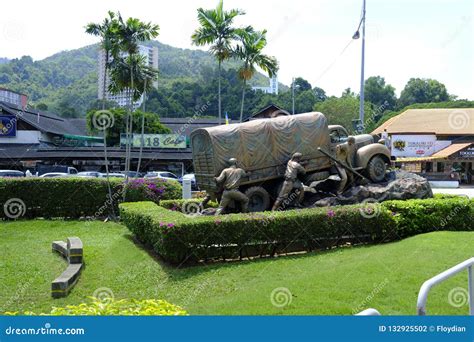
(293, 95)
(361, 104)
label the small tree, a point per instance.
(217, 31)
(129, 72)
(107, 31)
(250, 52)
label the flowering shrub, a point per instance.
(142, 189)
(111, 307)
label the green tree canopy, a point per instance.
(152, 124)
(342, 110)
(301, 84)
(421, 90)
(379, 93)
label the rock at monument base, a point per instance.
(405, 185)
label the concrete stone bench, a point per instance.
(62, 285)
(72, 251)
(74, 247)
(60, 247)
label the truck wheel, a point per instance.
(259, 199)
(317, 176)
(376, 169)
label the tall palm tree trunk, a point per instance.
(219, 93)
(104, 86)
(243, 100)
(128, 134)
(142, 141)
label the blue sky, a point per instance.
(418, 38)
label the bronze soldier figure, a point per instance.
(231, 177)
(293, 169)
(345, 153)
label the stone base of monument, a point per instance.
(402, 186)
(72, 251)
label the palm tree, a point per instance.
(143, 77)
(129, 34)
(250, 52)
(107, 32)
(216, 30)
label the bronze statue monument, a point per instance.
(263, 147)
(231, 178)
(293, 170)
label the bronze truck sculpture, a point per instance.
(263, 147)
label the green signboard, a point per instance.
(156, 140)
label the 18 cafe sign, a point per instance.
(156, 140)
(413, 145)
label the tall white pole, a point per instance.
(361, 104)
(293, 95)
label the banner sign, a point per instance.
(156, 140)
(7, 126)
(416, 145)
(467, 153)
(230, 328)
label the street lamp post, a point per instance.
(293, 86)
(357, 36)
(293, 95)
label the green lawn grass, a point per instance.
(386, 277)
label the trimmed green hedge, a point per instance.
(75, 197)
(420, 216)
(179, 238)
(184, 238)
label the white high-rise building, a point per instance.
(122, 99)
(272, 88)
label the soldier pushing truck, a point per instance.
(231, 178)
(263, 147)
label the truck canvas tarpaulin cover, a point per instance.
(262, 147)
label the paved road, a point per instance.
(469, 191)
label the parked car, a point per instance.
(42, 169)
(54, 175)
(132, 174)
(89, 174)
(112, 174)
(192, 177)
(11, 173)
(162, 174)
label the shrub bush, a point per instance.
(421, 216)
(110, 307)
(72, 197)
(153, 190)
(179, 238)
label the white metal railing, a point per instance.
(369, 312)
(427, 285)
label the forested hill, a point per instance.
(3, 60)
(67, 81)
